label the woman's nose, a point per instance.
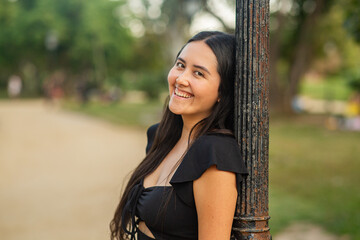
(182, 80)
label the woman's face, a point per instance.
(194, 82)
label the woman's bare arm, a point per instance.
(215, 199)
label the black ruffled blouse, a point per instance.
(169, 211)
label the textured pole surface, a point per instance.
(252, 117)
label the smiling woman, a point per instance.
(187, 185)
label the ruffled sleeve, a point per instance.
(150, 136)
(208, 150)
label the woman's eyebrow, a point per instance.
(203, 68)
(197, 66)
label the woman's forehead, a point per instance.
(198, 52)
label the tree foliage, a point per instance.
(82, 39)
(352, 23)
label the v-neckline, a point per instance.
(185, 155)
(154, 186)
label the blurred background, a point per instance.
(80, 81)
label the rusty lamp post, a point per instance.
(252, 117)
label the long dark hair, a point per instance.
(169, 130)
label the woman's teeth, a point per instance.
(182, 94)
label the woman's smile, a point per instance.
(182, 94)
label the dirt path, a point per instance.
(307, 231)
(60, 173)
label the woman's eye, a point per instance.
(180, 65)
(200, 74)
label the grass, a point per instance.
(3, 93)
(135, 114)
(314, 172)
(334, 88)
(314, 177)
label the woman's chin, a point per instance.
(175, 110)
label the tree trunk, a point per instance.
(303, 53)
(276, 90)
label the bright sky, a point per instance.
(202, 20)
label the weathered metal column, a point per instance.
(252, 116)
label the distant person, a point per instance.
(353, 113)
(83, 89)
(53, 88)
(188, 183)
(14, 86)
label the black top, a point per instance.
(169, 211)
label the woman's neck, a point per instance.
(185, 134)
(187, 126)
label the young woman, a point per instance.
(188, 183)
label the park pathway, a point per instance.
(61, 174)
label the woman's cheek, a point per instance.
(171, 77)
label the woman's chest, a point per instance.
(164, 172)
(165, 213)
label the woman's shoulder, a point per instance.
(217, 138)
(213, 149)
(219, 145)
(221, 150)
(151, 131)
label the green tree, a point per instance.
(80, 38)
(352, 22)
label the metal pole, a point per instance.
(252, 117)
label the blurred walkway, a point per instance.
(60, 173)
(306, 231)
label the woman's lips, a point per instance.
(182, 94)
